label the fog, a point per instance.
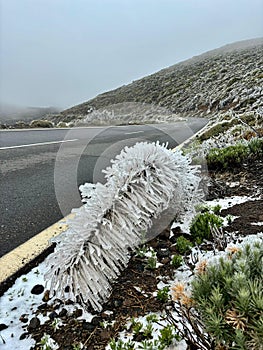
(64, 52)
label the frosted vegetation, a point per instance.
(207, 85)
(143, 181)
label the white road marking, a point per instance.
(133, 132)
(37, 144)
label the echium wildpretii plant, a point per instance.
(143, 181)
(225, 307)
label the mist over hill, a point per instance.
(11, 114)
(230, 77)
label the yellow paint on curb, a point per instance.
(13, 261)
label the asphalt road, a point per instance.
(42, 169)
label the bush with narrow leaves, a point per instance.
(229, 297)
(223, 309)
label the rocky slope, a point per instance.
(230, 77)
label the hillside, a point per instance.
(205, 85)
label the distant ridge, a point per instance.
(213, 82)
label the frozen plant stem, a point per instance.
(143, 181)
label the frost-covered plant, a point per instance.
(47, 343)
(143, 181)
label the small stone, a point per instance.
(53, 315)
(154, 243)
(77, 313)
(67, 289)
(165, 234)
(88, 326)
(163, 253)
(23, 336)
(42, 306)
(23, 318)
(34, 323)
(177, 230)
(63, 313)
(96, 320)
(3, 326)
(37, 289)
(165, 261)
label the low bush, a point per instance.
(234, 156)
(183, 245)
(224, 308)
(224, 158)
(41, 124)
(229, 298)
(200, 228)
(177, 261)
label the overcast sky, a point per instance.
(64, 52)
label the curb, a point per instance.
(16, 262)
(21, 259)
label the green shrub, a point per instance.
(163, 294)
(229, 298)
(177, 261)
(200, 228)
(224, 158)
(256, 146)
(234, 156)
(183, 245)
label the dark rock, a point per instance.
(96, 320)
(42, 306)
(77, 313)
(33, 324)
(165, 234)
(177, 231)
(37, 289)
(163, 253)
(63, 313)
(88, 326)
(23, 336)
(3, 326)
(173, 239)
(53, 315)
(67, 289)
(23, 318)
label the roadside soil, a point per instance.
(126, 301)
